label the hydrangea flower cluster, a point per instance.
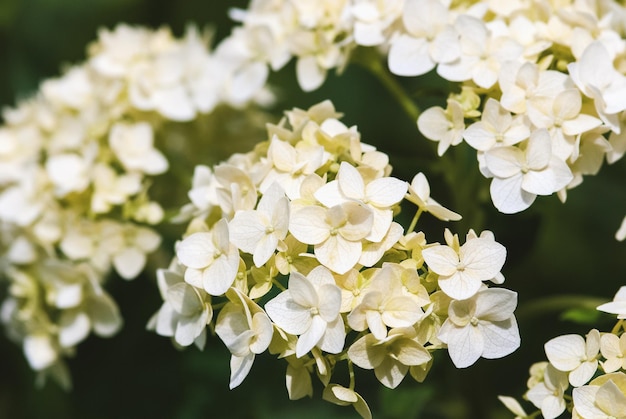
(585, 375)
(76, 162)
(541, 87)
(292, 249)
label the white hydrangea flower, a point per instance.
(430, 39)
(596, 77)
(246, 330)
(520, 175)
(384, 304)
(259, 231)
(548, 394)
(133, 146)
(617, 306)
(309, 308)
(185, 312)
(212, 261)
(445, 126)
(604, 398)
(336, 233)
(496, 128)
(378, 195)
(613, 349)
(391, 357)
(575, 355)
(461, 274)
(483, 51)
(482, 326)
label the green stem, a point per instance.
(555, 304)
(617, 327)
(278, 285)
(351, 372)
(419, 212)
(369, 59)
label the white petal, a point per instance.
(129, 263)
(465, 345)
(289, 316)
(311, 337)
(310, 74)
(338, 254)
(508, 196)
(409, 56)
(239, 369)
(74, 327)
(501, 338)
(565, 352)
(441, 259)
(197, 250)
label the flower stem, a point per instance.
(351, 372)
(369, 59)
(419, 212)
(617, 327)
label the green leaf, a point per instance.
(586, 316)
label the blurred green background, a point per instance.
(553, 250)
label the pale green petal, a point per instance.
(584, 401)
(338, 254)
(391, 372)
(376, 324)
(412, 353)
(298, 382)
(310, 75)
(482, 258)
(611, 399)
(583, 373)
(329, 301)
(365, 352)
(401, 311)
(409, 56)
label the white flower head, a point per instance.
(133, 146)
(337, 233)
(419, 194)
(617, 306)
(482, 326)
(259, 231)
(462, 273)
(521, 175)
(575, 355)
(309, 308)
(211, 259)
